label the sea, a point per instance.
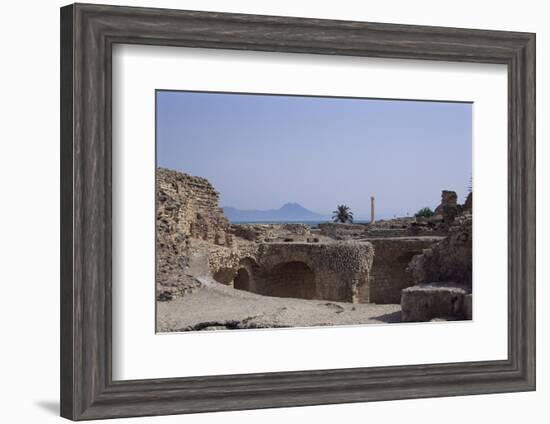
(312, 224)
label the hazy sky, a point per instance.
(262, 151)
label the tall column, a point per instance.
(372, 210)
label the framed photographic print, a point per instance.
(269, 211)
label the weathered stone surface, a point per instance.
(448, 209)
(448, 260)
(331, 271)
(391, 224)
(389, 273)
(270, 232)
(435, 300)
(187, 210)
(253, 232)
(341, 231)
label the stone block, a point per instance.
(425, 302)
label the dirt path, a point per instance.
(218, 307)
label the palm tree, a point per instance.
(342, 214)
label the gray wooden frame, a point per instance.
(88, 33)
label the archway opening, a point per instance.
(242, 280)
(290, 279)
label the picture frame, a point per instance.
(88, 33)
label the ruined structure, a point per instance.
(197, 247)
(442, 274)
(340, 262)
(187, 211)
(331, 271)
(448, 260)
(448, 209)
(389, 273)
(195, 239)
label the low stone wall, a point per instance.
(342, 231)
(270, 232)
(389, 274)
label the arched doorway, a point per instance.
(242, 280)
(289, 279)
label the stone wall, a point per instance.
(192, 205)
(391, 228)
(341, 269)
(448, 209)
(271, 232)
(335, 271)
(389, 274)
(187, 211)
(288, 279)
(442, 276)
(341, 231)
(449, 260)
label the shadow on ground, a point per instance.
(389, 318)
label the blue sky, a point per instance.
(261, 151)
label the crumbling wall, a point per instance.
(337, 271)
(389, 273)
(192, 204)
(448, 209)
(271, 232)
(450, 259)
(442, 274)
(341, 231)
(341, 269)
(187, 210)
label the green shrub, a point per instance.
(424, 213)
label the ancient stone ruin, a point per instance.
(442, 274)
(356, 264)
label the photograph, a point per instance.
(281, 211)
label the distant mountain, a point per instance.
(288, 212)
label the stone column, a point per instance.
(372, 210)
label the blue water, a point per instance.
(312, 224)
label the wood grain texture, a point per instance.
(88, 33)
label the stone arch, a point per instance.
(289, 279)
(247, 273)
(242, 280)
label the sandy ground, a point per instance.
(218, 307)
